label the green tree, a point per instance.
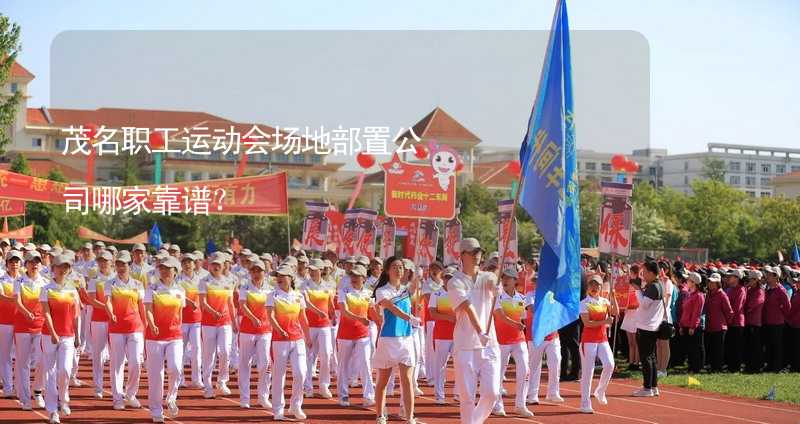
(648, 227)
(20, 165)
(590, 202)
(713, 214)
(9, 48)
(482, 226)
(714, 169)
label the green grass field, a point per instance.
(755, 386)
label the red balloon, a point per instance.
(459, 166)
(618, 162)
(514, 167)
(420, 151)
(90, 131)
(365, 160)
(156, 140)
(632, 166)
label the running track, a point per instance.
(675, 405)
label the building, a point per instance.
(39, 133)
(787, 185)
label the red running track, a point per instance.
(675, 405)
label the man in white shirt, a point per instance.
(476, 351)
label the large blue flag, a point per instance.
(796, 253)
(549, 190)
(154, 239)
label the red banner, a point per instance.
(418, 191)
(315, 227)
(25, 233)
(408, 228)
(507, 236)
(364, 241)
(387, 238)
(86, 233)
(428, 243)
(616, 219)
(262, 195)
(336, 223)
(11, 207)
(452, 236)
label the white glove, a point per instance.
(416, 322)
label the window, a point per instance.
(314, 183)
(282, 158)
(780, 169)
(299, 158)
(14, 87)
(686, 165)
(315, 159)
(591, 166)
(296, 182)
(36, 142)
(61, 144)
(765, 194)
(735, 180)
(686, 180)
(735, 166)
(766, 168)
(605, 166)
(795, 168)
(765, 181)
(652, 171)
(196, 176)
(749, 180)
(750, 167)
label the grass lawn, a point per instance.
(755, 386)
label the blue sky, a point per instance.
(721, 71)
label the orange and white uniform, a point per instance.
(594, 344)
(28, 337)
(166, 346)
(254, 341)
(126, 335)
(512, 343)
(64, 304)
(217, 333)
(287, 350)
(191, 325)
(321, 295)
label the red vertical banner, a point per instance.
(365, 233)
(428, 236)
(12, 207)
(347, 245)
(315, 227)
(616, 219)
(387, 238)
(452, 236)
(408, 228)
(335, 226)
(507, 233)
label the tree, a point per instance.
(481, 226)
(20, 165)
(9, 48)
(590, 201)
(713, 214)
(714, 169)
(648, 227)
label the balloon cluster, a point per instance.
(623, 164)
(514, 167)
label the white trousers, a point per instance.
(589, 352)
(520, 353)
(473, 367)
(234, 356)
(443, 350)
(216, 340)
(419, 348)
(551, 348)
(334, 353)
(159, 351)
(430, 375)
(130, 347)
(99, 343)
(6, 348)
(58, 359)
(254, 347)
(192, 349)
(28, 352)
(373, 338)
(285, 353)
(355, 363)
(322, 347)
(86, 329)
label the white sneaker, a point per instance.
(325, 394)
(280, 417)
(39, 399)
(133, 402)
(98, 394)
(534, 401)
(54, 419)
(441, 401)
(309, 393)
(643, 393)
(119, 406)
(499, 413)
(264, 402)
(503, 391)
(661, 374)
(244, 405)
(368, 403)
(65, 410)
(656, 392)
(554, 399)
(75, 382)
(523, 412)
(298, 413)
(587, 410)
(380, 420)
(26, 407)
(345, 401)
(418, 391)
(172, 409)
(411, 421)
(158, 419)
(208, 394)
(601, 397)
(224, 389)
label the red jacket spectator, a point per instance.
(776, 306)
(692, 309)
(753, 306)
(794, 314)
(737, 296)
(718, 311)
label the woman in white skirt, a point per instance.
(395, 347)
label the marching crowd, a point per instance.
(361, 322)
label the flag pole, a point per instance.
(288, 234)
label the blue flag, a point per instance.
(795, 253)
(550, 189)
(211, 247)
(154, 239)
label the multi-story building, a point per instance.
(41, 135)
(787, 185)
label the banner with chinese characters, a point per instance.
(365, 233)
(24, 233)
(335, 228)
(408, 228)
(507, 236)
(418, 191)
(428, 236)
(261, 195)
(11, 207)
(315, 226)
(387, 238)
(86, 233)
(616, 219)
(347, 243)
(452, 236)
